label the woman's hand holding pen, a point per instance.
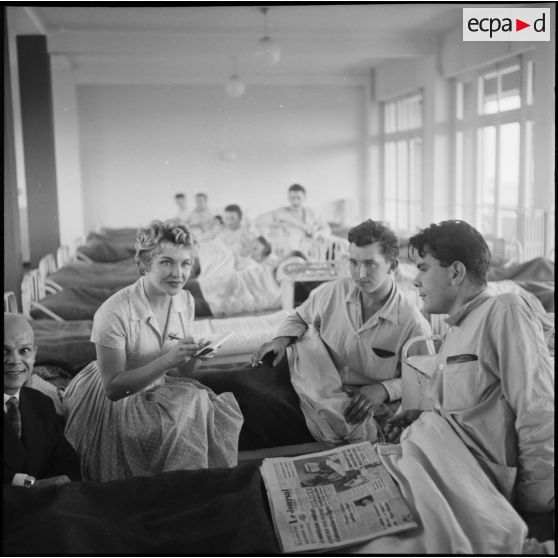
(183, 349)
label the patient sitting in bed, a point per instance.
(236, 234)
(252, 286)
(295, 225)
(362, 321)
(493, 378)
(129, 412)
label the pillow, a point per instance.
(36, 381)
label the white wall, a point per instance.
(142, 143)
(67, 152)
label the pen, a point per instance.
(173, 336)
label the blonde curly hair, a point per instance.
(149, 239)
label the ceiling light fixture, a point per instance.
(267, 50)
(235, 86)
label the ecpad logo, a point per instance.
(506, 24)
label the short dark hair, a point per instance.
(235, 209)
(265, 244)
(218, 218)
(296, 254)
(201, 195)
(297, 188)
(370, 231)
(179, 195)
(451, 241)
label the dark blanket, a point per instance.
(65, 344)
(269, 404)
(126, 234)
(543, 290)
(203, 512)
(539, 269)
(100, 248)
(75, 303)
(120, 274)
(202, 309)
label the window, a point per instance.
(494, 135)
(402, 161)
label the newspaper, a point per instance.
(333, 498)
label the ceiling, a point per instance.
(323, 43)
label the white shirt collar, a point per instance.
(16, 395)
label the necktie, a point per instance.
(13, 415)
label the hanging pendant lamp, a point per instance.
(235, 86)
(267, 49)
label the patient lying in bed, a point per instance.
(239, 285)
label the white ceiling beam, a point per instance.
(140, 43)
(114, 76)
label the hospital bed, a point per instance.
(536, 276)
(457, 508)
(75, 290)
(67, 342)
(226, 511)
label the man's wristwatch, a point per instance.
(29, 481)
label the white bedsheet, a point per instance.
(216, 258)
(252, 289)
(249, 331)
(459, 509)
(322, 400)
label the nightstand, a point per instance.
(307, 272)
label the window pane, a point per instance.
(507, 224)
(403, 160)
(530, 81)
(415, 105)
(459, 175)
(510, 96)
(402, 184)
(469, 107)
(390, 170)
(415, 182)
(489, 89)
(509, 165)
(487, 225)
(391, 213)
(389, 118)
(459, 100)
(486, 158)
(415, 170)
(402, 119)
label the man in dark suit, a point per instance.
(36, 454)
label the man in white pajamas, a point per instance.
(493, 380)
(363, 320)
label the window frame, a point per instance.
(407, 210)
(466, 203)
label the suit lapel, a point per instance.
(33, 431)
(14, 451)
(29, 419)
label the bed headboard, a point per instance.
(508, 250)
(63, 256)
(10, 302)
(32, 291)
(47, 265)
(328, 249)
